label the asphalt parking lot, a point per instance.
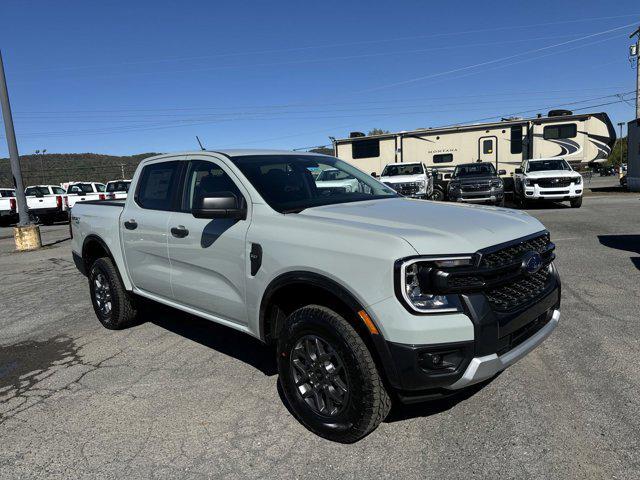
(177, 397)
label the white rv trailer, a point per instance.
(579, 139)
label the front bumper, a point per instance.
(536, 192)
(499, 339)
(489, 196)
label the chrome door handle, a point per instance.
(179, 231)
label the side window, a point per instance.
(58, 190)
(158, 185)
(568, 130)
(206, 178)
(443, 158)
(365, 148)
(487, 146)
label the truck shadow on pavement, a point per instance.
(212, 335)
(628, 243)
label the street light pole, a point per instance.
(621, 124)
(26, 235)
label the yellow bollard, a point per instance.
(27, 238)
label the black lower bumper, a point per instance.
(424, 372)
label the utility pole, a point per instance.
(122, 170)
(26, 235)
(621, 124)
(635, 52)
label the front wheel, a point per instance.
(113, 305)
(329, 377)
(437, 195)
(576, 202)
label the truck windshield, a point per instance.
(403, 169)
(540, 165)
(287, 184)
(118, 186)
(474, 170)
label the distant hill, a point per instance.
(56, 168)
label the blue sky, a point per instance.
(126, 77)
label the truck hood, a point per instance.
(552, 173)
(403, 178)
(432, 227)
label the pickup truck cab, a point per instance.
(47, 203)
(117, 189)
(477, 183)
(548, 179)
(367, 295)
(8, 207)
(411, 180)
(84, 191)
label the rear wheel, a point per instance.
(113, 305)
(329, 377)
(576, 202)
(437, 195)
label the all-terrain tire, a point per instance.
(114, 306)
(576, 202)
(437, 195)
(366, 404)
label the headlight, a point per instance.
(414, 286)
(496, 183)
(578, 180)
(528, 182)
(454, 185)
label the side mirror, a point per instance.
(502, 172)
(374, 174)
(219, 205)
(518, 171)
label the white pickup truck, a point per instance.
(8, 208)
(550, 179)
(366, 294)
(117, 189)
(47, 203)
(411, 180)
(84, 191)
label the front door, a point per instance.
(488, 150)
(208, 256)
(144, 226)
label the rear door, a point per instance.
(209, 256)
(144, 226)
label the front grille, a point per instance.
(475, 187)
(518, 293)
(513, 252)
(406, 188)
(553, 182)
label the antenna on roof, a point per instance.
(200, 143)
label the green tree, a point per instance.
(619, 152)
(377, 131)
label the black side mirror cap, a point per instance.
(374, 174)
(502, 172)
(220, 205)
(518, 170)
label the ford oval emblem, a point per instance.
(531, 262)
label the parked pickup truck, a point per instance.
(47, 203)
(84, 191)
(547, 179)
(477, 183)
(117, 189)
(8, 209)
(408, 179)
(366, 294)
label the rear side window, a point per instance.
(158, 183)
(58, 190)
(569, 130)
(443, 158)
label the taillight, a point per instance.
(101, 196)
(59, 202)
(12, 204)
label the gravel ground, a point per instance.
(178, 397)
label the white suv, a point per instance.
(548, 179)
